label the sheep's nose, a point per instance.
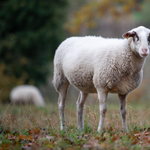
(144, 50)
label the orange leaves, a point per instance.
(115, 137)
(25, 138)
(88, 15)
(134, 141)
(17, 139)
(101, 138)
(143, 137)
(83, 17)
(5, 146)
(30, 146)
(35, 131)
(92, 143)
(70, 140)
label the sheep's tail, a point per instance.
(59, 78)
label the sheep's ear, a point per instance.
(128, 34)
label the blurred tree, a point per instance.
(143, 16)
(30, 32)
(88, 15)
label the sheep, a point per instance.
(26, 94)
(100, 65)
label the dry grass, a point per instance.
(24, 118)
(21, 116)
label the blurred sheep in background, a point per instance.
(26, 94)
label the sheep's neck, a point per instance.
(136, 62)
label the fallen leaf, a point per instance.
(146, 133)
(115, 137)
(35, 131)
(103, 145)
(24, 137)
(11, 137)
(68, 140)
(134, 142)
(92, 143)
(49, 137)
(110, 128)
(100, 138)
(137, 134)
(5, 146)
(147, 129)
(25, 147)
(86, 136)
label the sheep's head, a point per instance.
(140, 40)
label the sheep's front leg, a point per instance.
(102, 96)
(80, 108)
(122, 99)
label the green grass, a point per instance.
(33, 127)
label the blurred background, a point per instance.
(31, 31)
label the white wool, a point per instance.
(26, 94)
(102, 65)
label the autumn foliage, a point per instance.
(30, 128)
(88, 15)
(40, 138)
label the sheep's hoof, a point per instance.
(102, 131)
(80, 129)
(63, 127)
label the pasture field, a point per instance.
(34, 128)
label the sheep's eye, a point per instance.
(148, 39)
(135, 36)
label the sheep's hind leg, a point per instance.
(80, 108)
(122, 99)
(61, 103)
(102, 96)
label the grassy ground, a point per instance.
(30, 127)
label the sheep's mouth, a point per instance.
(144, 54)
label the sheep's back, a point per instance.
(89, 62)
(78, 57)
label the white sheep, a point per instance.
(102, 65)
(26, 94)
